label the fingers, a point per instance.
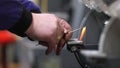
(58, 41)
(60, 46)
(66, 28)
(51, 47)
(54, 38)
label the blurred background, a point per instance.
(25, 54)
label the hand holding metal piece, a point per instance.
(58, 36)
(82, 32)
(63, 38)
(60, 40)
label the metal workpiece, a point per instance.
(74, 45)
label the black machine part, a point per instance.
(74, 46)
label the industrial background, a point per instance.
(92, 14)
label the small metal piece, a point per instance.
(73, 48)
(75, 30)
(73, 45)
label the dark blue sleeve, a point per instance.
(10, 12)
(15, 15)
(30, 6)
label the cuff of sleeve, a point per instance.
(23, 24)
(35, 11)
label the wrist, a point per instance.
(30, 31)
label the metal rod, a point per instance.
(81, 60)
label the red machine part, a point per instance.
(6, 37)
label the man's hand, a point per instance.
(49, 29)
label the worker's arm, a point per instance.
(15, 15)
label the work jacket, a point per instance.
(15, 15)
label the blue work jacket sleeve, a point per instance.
(30, 6)
(15, 15)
